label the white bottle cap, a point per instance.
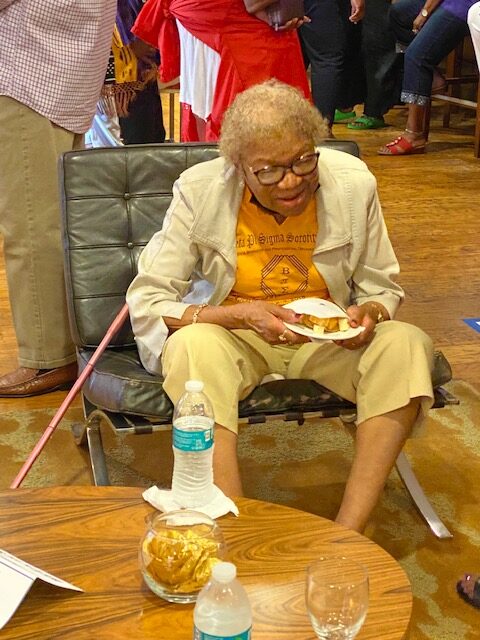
(224, 572)
(194, 385)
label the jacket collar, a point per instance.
(216, 222)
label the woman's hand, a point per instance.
(267, 320)
(427, 10)
(143, 51)
(294, 23)
(291, 25)
(418, 23)
(358, 10)
(262, 15)
(264, 318)
(366, 315)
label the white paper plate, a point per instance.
(322, 309)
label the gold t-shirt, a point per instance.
(274, 261)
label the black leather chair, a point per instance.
(114, 199)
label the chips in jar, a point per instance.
(182, 561)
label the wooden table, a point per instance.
(89, 536)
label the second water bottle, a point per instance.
(222, 610)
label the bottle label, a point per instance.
(193, 433)
(200, 635)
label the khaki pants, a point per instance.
(381, 377)
(30, 223)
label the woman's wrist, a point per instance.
(198, 310)
(227, 316)
(377, 311)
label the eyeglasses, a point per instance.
(273, 174)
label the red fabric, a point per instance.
(250, 50)
(188, 129)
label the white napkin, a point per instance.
(163, 500)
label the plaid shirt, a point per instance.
(53, 56)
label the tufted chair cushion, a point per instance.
(114, 200)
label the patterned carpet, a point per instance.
(306, 467)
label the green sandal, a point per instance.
(341, 117)
(367, 122)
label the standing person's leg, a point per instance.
(323, 46)
(390, 380)
(439, 35)
(353, 84)
(144, 123)
(30, 224)
(382, 66)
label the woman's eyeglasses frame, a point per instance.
(282, 169)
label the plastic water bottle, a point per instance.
(222, 610)
(192, 481)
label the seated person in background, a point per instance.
(431, 29)
(272, 220)
(219, 48)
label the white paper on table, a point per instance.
(163, 501)
(16, 578)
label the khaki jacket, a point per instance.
(193, 258)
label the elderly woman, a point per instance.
(276, 219)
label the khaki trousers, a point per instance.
(30, 223)
(381, 377)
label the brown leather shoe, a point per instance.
(25, 382)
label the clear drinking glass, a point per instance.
(337, 597)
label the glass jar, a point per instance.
(177, 553)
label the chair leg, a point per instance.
(98, 462)
(79, 431)
(420, 499)
(453, 66)
(426, 120)
(88, 433)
